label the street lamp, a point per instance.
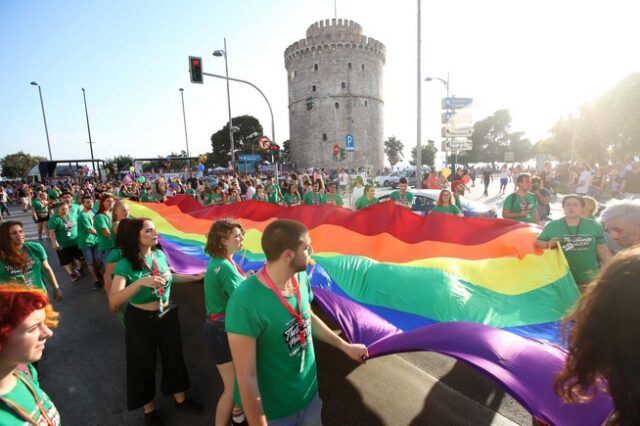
(184, 118)
(44, 117)
(93, 164)
(223, 53)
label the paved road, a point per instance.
(84, 373)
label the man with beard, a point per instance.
(621, 220)
(270, 327)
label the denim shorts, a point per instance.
(310, 416)
(91, 255)
(216, 340)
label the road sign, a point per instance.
(509, 156)
(349, 142)
(456, 132)
(457, 145)
(247, 158)
(454, 103)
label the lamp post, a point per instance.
(44, 117)
(446, 83)
(223, 53)
(86, 112)
(419, 107)
(184, 118)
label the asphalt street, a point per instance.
(84, 372)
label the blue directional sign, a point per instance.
(452, 103)
(246, 158)
(349, 143)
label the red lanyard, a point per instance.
(21, 411)
(297, 315)
(154, 269)
(240, 271)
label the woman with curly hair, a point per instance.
(604, 346)
(223, 276)
(26, 319)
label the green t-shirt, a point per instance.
(31, 273)
(363, 202)
(406, 199)
(114, 256)
(220, 281)
(516, 204)
(292, 199)
(335, 199)
(144, 196)
(39, 207)
(23, 398)
(452, 208)
(75, 209)
(191, 192)
(145, 294)
(579, 244)
(85, 238)
(66, 229)
(53, 194)
(213, 198)
(255, 311)
(313, 199)
(273, 198)
(103, 221)
(259, 198)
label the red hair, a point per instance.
(101, 208)
(440, 201)
(17, 302)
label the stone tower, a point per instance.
(335, 90)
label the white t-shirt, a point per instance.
(583, 182)
(343, 178)
(251, 191)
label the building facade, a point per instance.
(335, 92)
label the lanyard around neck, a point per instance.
(235, 265)
(296, 314)
(569, 229)
(21, 411)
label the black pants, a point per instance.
(3, 208)
(145, 336)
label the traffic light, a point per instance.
(343, 154)
(309, 103)
(195, 69)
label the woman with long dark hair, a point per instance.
(604, 346)
(223, 276)
(24, 261)
(142, 279)
(104, 226)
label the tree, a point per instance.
(520, 146)
(119, 163)
(490, 138)
(393, 150)
(428, 155)
(19, 164)
(286, 151)
(221, 155)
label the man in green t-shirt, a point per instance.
(63, 233)
(581, 239)
(270, 327)
(88, 239)
(332, 197)
(402, 197)
(522, 204)
(313, 197)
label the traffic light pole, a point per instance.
(273, 131)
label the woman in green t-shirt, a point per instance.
(260, 195)
(142, 279)
(40, 211)
(102, 222)
(368, 199)
(445, 205)
(26, 319)
(223, 276)
(120, 217)
(292, 198)
(24, 261)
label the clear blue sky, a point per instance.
(539, 59)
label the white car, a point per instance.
(386, 180)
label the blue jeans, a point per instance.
(310, 416)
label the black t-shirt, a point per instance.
(486, 175)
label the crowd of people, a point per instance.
(88, 226)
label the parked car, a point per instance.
(411, 177)
(426, 199)
(386, 180)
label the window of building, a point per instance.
(313, 88)
(366, 103)
(315, 67)
(324, 137)
(349, 65)
(292, 112)
(337, 105)
(344, 85)
(295, 73)
(362, 67)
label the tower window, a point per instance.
(337, 105)
(315, 67)
(349, 65)
(366, 103)
(313, 88)
(344, 85)
(362, 67)
(324, 137)
(292, 112)
(295, 73)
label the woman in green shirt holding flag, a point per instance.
(368, 199)
(444, 204)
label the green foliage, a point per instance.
(604, 129)
(286, 151)
(393, 150)
(221, 154)
(119, 163)
(428, 155)
(19, 164)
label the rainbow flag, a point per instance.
(476, 289)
